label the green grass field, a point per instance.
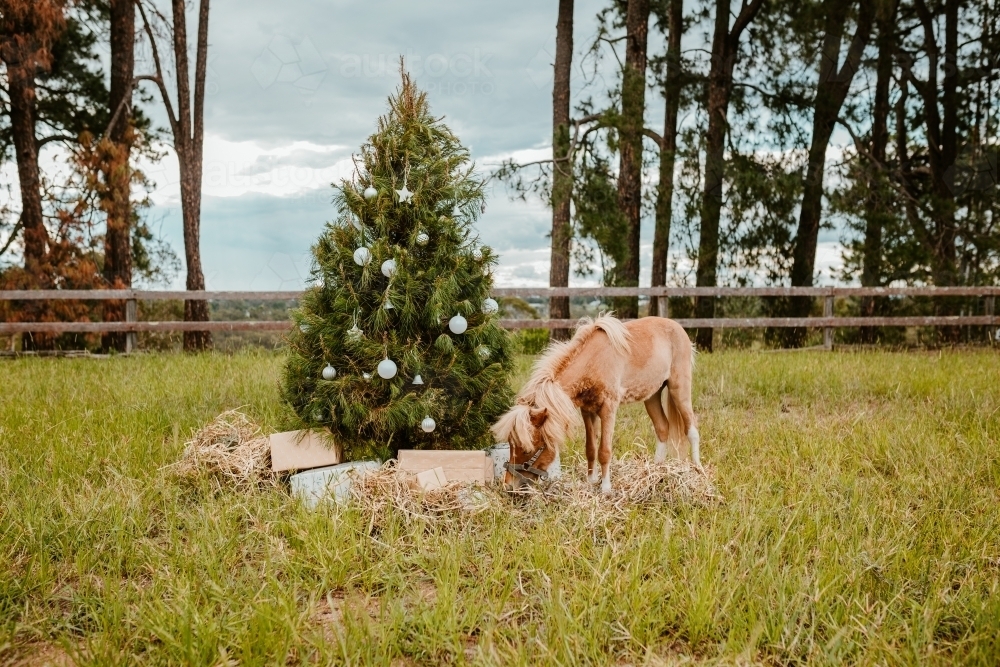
(860, 525)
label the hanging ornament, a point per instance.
(490, 306)
(362, 256)
(304, 328)
(388, 268)
(370, 193)
(428, 424)
(417, 379)
(386, 369)
(388, 305)
(329, 372)
(367, 376)
(477, 255)
(422, 238)
(317, 415)
(354, 333)
(483, 352)
(404, 195)
(458, 324)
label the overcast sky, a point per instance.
(295, 86)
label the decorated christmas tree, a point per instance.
(397, 345)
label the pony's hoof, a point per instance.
(594, 478)
(606, 488)
(661, 453)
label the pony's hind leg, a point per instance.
(604, 453)
(590, 426)
(654, 408)
(680, 395)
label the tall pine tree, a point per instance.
(379, 354)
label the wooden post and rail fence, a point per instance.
(828, 322)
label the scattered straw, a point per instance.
(636, 480)
(231, 449)
(379, 490)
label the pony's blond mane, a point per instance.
(542, 389)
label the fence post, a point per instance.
(663, 306)
(131, 315)
(990, 311)
(828, 331)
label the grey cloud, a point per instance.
(296, 158)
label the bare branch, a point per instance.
(654, 135)
(747, 14)
(54, 137)
(12, 237)
(158, 79)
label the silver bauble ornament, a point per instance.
(483, 352)
(362, 256)
(388, 268)
(354, 333)
(388, 305)
(490, 306)
(370, 193)
(304, 328)
(477, 254)
(458, 324)
(367, 376)
(386, 369)
(428, 424)
(329, 372)
(422, 238)
(417, 379)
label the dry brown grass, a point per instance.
(231, 449)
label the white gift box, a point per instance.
(330, 482)
(500, 455)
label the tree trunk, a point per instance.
(942, 149)
(876, 210)
(668, 150)
(831, 91)
(188, 141)
(725, 50)
(630, 133)
(117, 241)
(26, 33)
(21, 86)
(562, 168)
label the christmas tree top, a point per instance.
(397, 346)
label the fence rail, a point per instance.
(827, 322)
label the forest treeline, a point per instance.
(876, 119)
(872, 120)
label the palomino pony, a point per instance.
(608, 362)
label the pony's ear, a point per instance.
(538, 416)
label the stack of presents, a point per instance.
(314, 460)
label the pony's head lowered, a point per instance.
(536, 427)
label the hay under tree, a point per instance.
(233, 450)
